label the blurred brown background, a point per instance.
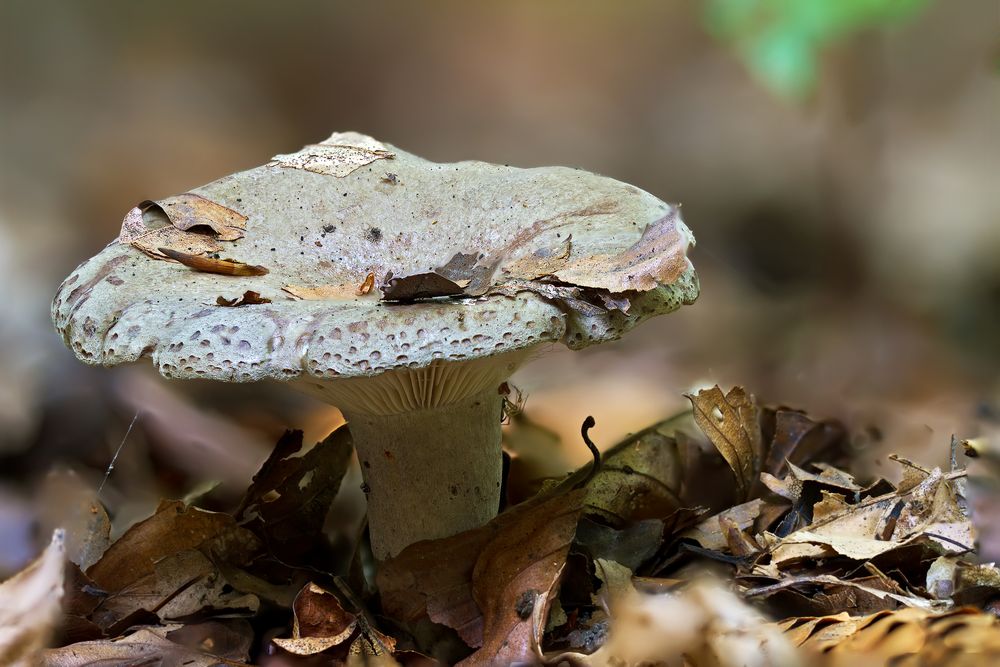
(848, 242)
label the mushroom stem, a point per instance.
(431, 472)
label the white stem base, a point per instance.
(429, 473)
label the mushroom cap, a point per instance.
(544, 255)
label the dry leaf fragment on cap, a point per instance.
(186, 223)
(338, 155)
(367, 285)
(320, 292)
(225, 267)
(418, 286)
(249, 298)
(152, 242)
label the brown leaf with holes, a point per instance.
(249, 298)
(225, 267)
(731, 422)
(338, 155)
(291, 494)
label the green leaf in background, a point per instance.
(781, 40)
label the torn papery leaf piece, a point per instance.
(339, 155)
(188, 223)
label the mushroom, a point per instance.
(486, 264)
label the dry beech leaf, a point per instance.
(711, 532)
(911, 637)
(145, 646)
(731, 422)
(225, 267)
(187, 211)
(30, 606)
(320, 622)
(181, 585)
(704, 625)
(249, 298)
(173, 528)
(929, 512)
(510, 564)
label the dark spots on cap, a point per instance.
(82, 291)
(374, 235)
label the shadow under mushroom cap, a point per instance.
(553, 254)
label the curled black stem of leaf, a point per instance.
(588, 424)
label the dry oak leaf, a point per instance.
(704, 625)
(146, 646)
(320, 622)
(928, 512)
(732, 423)
(910, 637)
(30, 606)
(173, 528)
(491, 584)
(180, 586)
